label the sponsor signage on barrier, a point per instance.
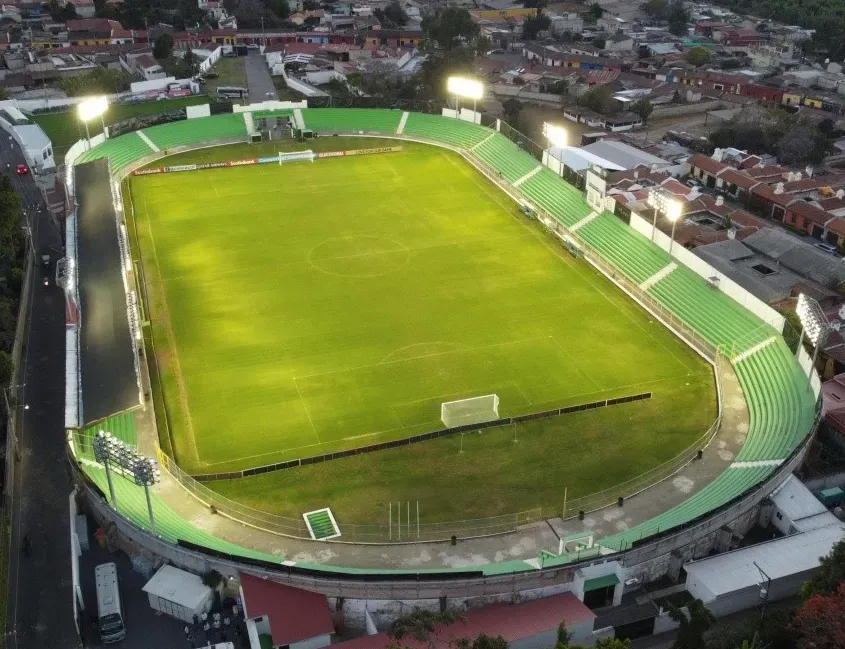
(331, 154)
(263, 161)
(181, 168)
(147, 172)
(244, 161)
(382, 149)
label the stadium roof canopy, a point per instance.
(107, 353)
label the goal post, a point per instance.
(475, 410)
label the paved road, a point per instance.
(258, 79)
(39, 604)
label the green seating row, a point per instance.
(122, 150)
(194, 131)
(558, 198)
(169, 525)
(505, 157)
(711, 313)
(624, 247)
(780, 404)
(449, 131)
(351, 120)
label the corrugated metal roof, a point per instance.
(790, 555)
(796, 501)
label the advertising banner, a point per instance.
(147, 172)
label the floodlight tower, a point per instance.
(663, 201)
(466, 88)
(814, 324)
(91, 108)
(557, 137)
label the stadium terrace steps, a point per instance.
(448, 131)
(132, 503)
(624, 247)
(149, 142)
(780, 404)
(195, 131)
(558, 198)
(530, 174)
(583, 221)
(120, 150)
(719, 319)
(402, 123)
(660, 274)
(249, 123)
(351, 120)
(505, 157)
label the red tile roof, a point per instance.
(766, 172)
(294, 614)
(734, 177)
(511, 621)
(832, 203)
(809, 212)
(837, 225)
(707, 164)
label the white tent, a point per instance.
(178, 593)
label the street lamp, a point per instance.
(91, 108)
(814, 324)
(467, 88)
(108, 450)
(557, 137)
(764, 585)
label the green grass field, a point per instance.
(64, 128)
(313, 307)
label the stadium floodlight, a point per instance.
(108, 451)
(92, 108)
(665, 203)
(557, 137)
(466, 88)
(815, 325)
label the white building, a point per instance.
(178, 593)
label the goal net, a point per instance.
(475, 410)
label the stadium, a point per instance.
(404, 331)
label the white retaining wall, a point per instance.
(806, 363)
(203, 110)
(466, 114)
(703, 269)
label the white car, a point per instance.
(827, 247)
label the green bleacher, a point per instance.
(624, 247)
(558, 198)
(197, 130)
(781, 408)
(449, 131)
(132, 504)
(779, 401)
(351, 120)
(121, 150)
(709, 311)
(505, 157)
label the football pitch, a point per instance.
(308, 308)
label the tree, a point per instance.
(678, 17)
(730, 64)
(535, 4)
(613, 643)
(163, 46)
(563, 637)
(281, 8)
(310, 5)
(643, 108)
(698, 56)
(4, 93)
(483, 641)
(449, 27)
(100, 81)
(534, 25)
(6, 368)
(595, 11)
(599, 43)
(420, 624)
(693, 625)
(392, 16)
(190, 61)
(600, 100)
(512, 109)
(657, 10)
(820, 622)
(483, 45)
(829, 576)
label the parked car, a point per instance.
(692, 183)
(22, 170)
(211, 74)
(827, 247)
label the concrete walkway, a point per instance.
(258, 79)
(522, 544)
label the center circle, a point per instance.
(358, 255)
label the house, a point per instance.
(619, 42)
(566, 22)
(612, 24)
(288, 617)
(97, 31)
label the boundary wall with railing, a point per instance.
(696, 341)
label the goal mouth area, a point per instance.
(467, 412)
